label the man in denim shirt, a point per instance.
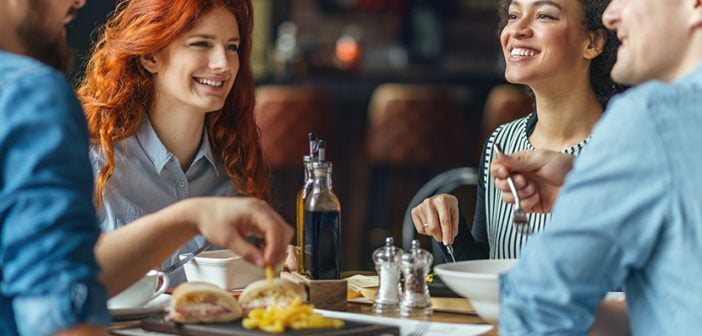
(50, 281)
(49, 273)
(630, 212)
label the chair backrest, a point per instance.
(503, 104)
(285, 114)
(445, 182)
(413, 124)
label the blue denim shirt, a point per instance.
(48, 272)
(630, 213)
(148, 178)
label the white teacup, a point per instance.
(141, 292)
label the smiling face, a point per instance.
(198, 69)
(544, 40)
(653, 35)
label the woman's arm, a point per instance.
(127, 253)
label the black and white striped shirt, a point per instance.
(495, 223)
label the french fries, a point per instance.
(296, 316)
(269, 275)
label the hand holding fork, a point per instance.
(519, 217)
(541, 173)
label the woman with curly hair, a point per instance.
(562, 52)
(169, 98)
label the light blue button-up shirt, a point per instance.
(148, 177)
(48, 272)
(630, 213)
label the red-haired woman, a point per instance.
(169, 99)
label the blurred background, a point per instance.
(402, 90)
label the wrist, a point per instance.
(186, 215)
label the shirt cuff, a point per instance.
(80, 303)
(509, 320)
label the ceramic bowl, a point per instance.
(478, 281)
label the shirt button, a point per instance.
(181, 184)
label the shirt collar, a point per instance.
(159, 154)
(206, 151)
(152, 145)
(694, 75)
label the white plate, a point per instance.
(154, 306)
(407, 326)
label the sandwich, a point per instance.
(194, 302)
(267, 293)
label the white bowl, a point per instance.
(477, 280)
(223, 268)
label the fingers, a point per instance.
(254, 216)
(527, 190)
(418, 219)
(277, 234)
(518, 162)
(447, 212)
(245, 249)
(437, 216)
(432, 226)
(531, 204)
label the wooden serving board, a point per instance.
(156, 323)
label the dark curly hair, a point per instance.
(601, 67)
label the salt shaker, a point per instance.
(416, 264)
(387, 264)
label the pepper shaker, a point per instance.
(416, 264)
(387, 263)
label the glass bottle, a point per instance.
(416, 264)
(322, 226)
(387, 263)
(300, 209)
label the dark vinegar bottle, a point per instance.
(322, 227)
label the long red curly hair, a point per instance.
(117, 91)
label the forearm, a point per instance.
(611, 319)
(127, 253)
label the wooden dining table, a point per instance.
(436, 316)
(445, 310)
(354, 307)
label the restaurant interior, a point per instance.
(401, 90)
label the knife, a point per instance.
(185, 260)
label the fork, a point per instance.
(419, 329)
(449, 249)
(519, 217)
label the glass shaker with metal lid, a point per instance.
(387, 261)
(416, 264)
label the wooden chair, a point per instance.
(503, 104)
(414, 132)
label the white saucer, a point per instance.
(154, 306)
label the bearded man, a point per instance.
(56, 270)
